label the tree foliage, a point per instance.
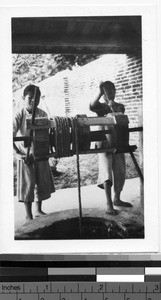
(29, 68)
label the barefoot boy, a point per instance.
(111, 166)
(34, 180)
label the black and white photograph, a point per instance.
(78, 128)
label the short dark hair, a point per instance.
(109, 84)
(31, 89)
(111, 89)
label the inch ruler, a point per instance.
(80, 291)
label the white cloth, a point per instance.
(112, 167)
(19, 125)
(34, 181)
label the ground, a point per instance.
(63, 206)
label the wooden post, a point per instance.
(140, 123)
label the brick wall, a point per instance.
(129, 91)
(69, 92)
(125, 71)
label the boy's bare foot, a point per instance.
(40, 213)
(111, 212)
(122, 203)
(29, 218)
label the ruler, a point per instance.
(80, 291)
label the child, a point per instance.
(111, 166)
(34, 180)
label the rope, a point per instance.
(62, 133)
(72, 120)
(78, 173)
(65, 134)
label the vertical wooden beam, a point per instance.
(140, 123)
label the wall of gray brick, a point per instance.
(125, 71)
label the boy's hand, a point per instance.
(101, 88)
(28, 160)
(111, 103)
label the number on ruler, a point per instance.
(100, 287)
(156, 287)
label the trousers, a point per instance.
(34, 181)
(112, 168)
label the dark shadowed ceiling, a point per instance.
(114, 34)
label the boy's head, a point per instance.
(30, 94)
(109, 90)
